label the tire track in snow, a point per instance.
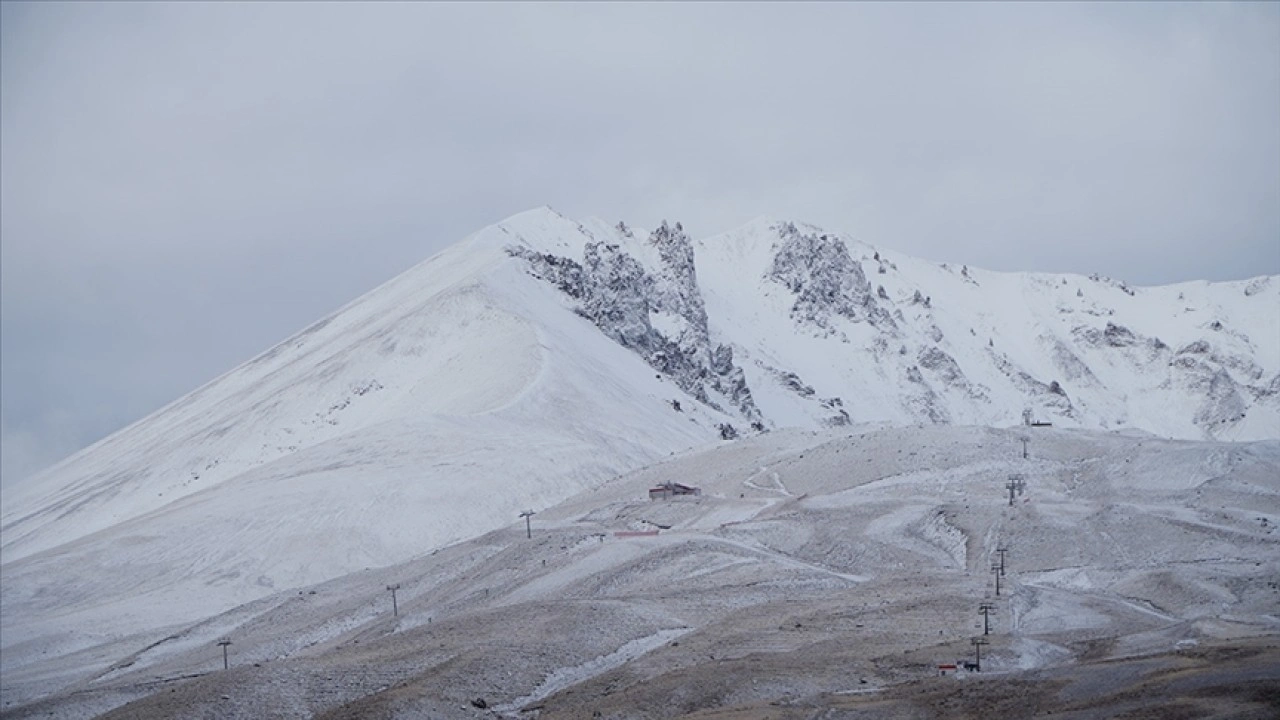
(784, 559)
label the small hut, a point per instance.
(672, 489)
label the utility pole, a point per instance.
(1024, 447)
(224, 642)
(986, 609)
(996, 570)
(1002, 549)
(1015, 484)
(395, 607)
(528, 532)
(977, 652)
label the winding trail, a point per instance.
(565, 677)
(778, 486)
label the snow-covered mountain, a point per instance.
(783, 324)
(542, 356)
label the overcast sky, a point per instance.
(182, 185)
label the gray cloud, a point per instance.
(185, 184)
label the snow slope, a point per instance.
(814, 564)
(434, 408)
(542, 356)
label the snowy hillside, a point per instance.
(818, 572)
(434, 408)
(542, 356)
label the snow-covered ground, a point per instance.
(814, 563)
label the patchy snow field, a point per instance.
(818, 569)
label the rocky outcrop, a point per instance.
(1050, 396)
(1227, 383)
(947, 372)
(1223, 402)
(1195, 370)
(564, 273)
(825, 279)
(677, 289)
(921, 399)
(621, 297)
(616, 295)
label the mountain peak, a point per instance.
(535, 221)
(541, 213)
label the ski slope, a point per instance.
(814, 565)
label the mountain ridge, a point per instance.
(831, 292)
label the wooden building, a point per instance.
(672, 489)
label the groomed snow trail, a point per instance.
(569, 676)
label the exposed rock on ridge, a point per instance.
(624, 299)
(825, 279)
(904, 348)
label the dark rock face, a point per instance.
(1201, 372)
(1140, 349)
(1223, 402)
(730, 381)
(564, 273)
(1050, 396)
(922, 400)
(1270, 390)
(793, 383)
(943, 365)
(841, 417)
(1112, 335)
(678, 291)
(618, 295)
(826, 281)
(1118, 335)
(946, 371)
